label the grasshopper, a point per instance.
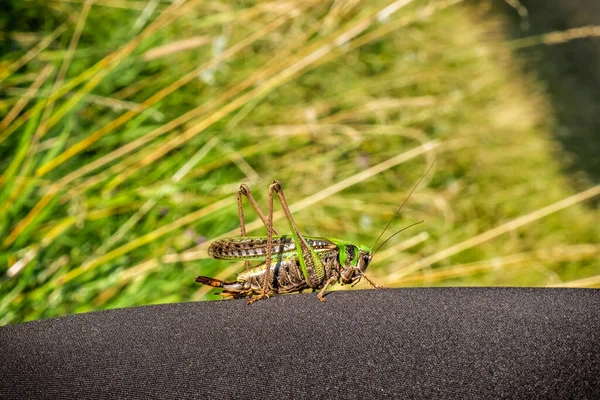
(288, 264)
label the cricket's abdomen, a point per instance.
(286, 277)
(255, 248)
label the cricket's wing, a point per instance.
(254, 248)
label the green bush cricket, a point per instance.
(296, 262)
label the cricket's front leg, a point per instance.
(376, 286)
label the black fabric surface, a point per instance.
(396, 343)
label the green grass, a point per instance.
(121, 159)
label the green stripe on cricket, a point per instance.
(289, 263)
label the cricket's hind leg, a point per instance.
(231, 290)
(244, 191)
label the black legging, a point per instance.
(402, 343)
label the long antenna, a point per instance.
(402, 205)
(401, 230)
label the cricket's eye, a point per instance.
(365, 260)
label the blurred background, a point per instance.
(127, 126)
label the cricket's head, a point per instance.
(357, 264)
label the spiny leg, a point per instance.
(241, 211)
(244, 190)
(321, 294)
(242, 222)
(376, 286)
(310, 262)
(269, 224)
(311, 265)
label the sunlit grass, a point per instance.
(122, 152)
